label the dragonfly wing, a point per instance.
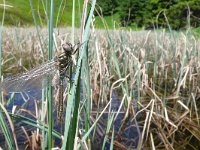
(33, 79)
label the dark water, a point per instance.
(28, 102)
(127, 136)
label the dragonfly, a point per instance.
(55, 69)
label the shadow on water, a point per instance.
(125, 137)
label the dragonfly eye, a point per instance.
(67, 47)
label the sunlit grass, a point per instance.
(15, 10)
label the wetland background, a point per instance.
(134, 89)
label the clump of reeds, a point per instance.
(155, 74)
(164, 69)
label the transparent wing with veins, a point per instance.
(33, 79)
(39, 77)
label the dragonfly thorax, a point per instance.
(63, 61)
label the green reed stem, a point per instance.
(86, 88)
(3, 124)
(49, 89)
(43, 117)
(6, 131)
(72, 96)
(37, 29)
(73, 128)
(59, 11)
(1, 29)
(73, 20)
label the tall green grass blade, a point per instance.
(85, 74)
(71, 98)
(43, 118)
(1, 55)
(45, 9)
(1, 28)
(49, 89)
(109, 124)
(59, 12)
(50, 25)
(73, 126)
(112, 139)
(79, 10)
(37, 29)
(6, 131)
(50, 115)
(73, 20)
(33, 123)
(88, 98)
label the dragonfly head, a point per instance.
(68, 48)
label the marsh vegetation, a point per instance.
(154, 75)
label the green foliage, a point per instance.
(132, 11)
(108, 7)
(150, 13)
(196, 32)
(184, 13)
